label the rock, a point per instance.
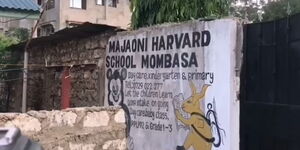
(115, 145)
(96, 119)
(120, 117)
(76, 146)
(25, 123)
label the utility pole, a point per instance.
(25, 72)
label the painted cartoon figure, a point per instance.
(115, 86)
(116, 96)
(200, 136)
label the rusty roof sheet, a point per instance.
(82, 31)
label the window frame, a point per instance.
(103, 2)
(83, 4)
(114, 3)
(48, 6)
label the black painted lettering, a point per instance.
(196, 39)
(145, 60)
(112, 46)
(186, 41)
(107, 61)
(127, 49)
(141, 45)
(168, 63)
(170, 41)
(162, 45)
(160, 61)
(133, 45)
(193, 60)
(175, 61)
(178, 40)
(117, 50)
(184, 61)
(205, 38)
(154, 43)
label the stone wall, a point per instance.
(83, 58)
(91, 128)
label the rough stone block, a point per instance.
(120, 117)
(76, 146)
(96, 119)
(25, 123)
(58, 118)
(115, 145)
(87, 74)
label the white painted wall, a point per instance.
(218, 59)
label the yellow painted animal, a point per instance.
(200, 135)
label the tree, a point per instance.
(280, 9)
(151, 12)
(21, 34)
(5, 42)
(247, 10)
(265, 11)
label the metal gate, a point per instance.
(270, 86)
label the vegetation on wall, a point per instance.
(11, 37)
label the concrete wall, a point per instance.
(72, 129)
(63, 13)
(51, 16)
(173, 105)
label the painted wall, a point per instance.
(177, 84)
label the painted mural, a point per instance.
(175, 85)
(201, 126)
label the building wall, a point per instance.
(72, 129)
(9, 22)
(51, 16)
(84, 58)
(119, 16)
(62, 14)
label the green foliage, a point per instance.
(12, 36)
(5, 42)
(151, 12)
(280, 9)
(22, 34)
(266, 12)
(249, 12)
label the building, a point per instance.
(60, 14)
(18, 14)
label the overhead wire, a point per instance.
(16, 19)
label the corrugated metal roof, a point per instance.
(20, 4)
(82, 31)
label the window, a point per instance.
(81, 4)
(112, 3)
(50, 4)
(39, 2)
(100, 2)
(45, 30)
